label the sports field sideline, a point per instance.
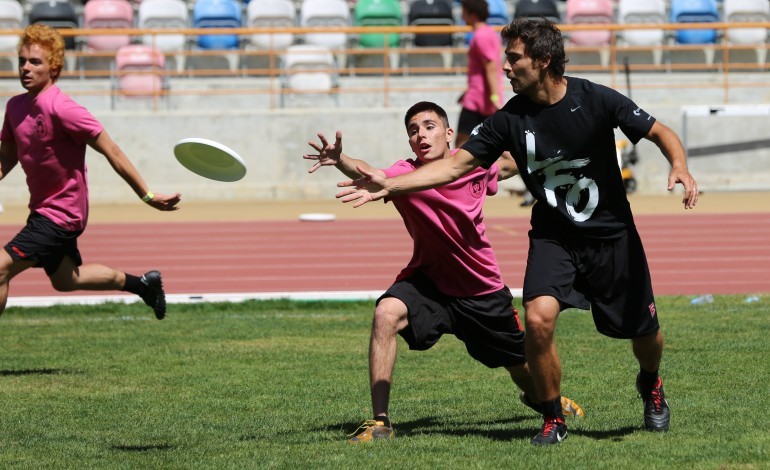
(237, 250)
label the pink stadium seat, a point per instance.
(138, 72)
(107, 14)
(594, 12)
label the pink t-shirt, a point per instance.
(447, 227)
(50, 133)
(484, 47)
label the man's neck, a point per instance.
(551, 92)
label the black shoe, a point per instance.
(554, 431)
(153, 294)
(657, 416)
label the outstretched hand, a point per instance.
(328, 154)
(370, 187)
(684, 177)
(165, 203)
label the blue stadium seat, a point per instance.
(217, 14)
(695, 11)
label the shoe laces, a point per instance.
(656, 396)
(369, 423)
(550, 424)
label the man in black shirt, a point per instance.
(584, 249)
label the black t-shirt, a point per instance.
(567, 158)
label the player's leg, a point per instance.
(542, 355)
(69, 275)
(543, 358)
(648, 351)
(390, 317)
(9, 268)
(414, 309)
(467, 121)
(623, 306)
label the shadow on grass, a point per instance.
(23, 372)
(610, 434)
(142, 448)
(432, 425)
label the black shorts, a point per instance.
(487, 324)
(609, 276)
(46, 243)
(468, 121)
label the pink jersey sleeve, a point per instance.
(6, 135)
(77, 121)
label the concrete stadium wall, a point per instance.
(272, 144)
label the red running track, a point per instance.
(689, 254)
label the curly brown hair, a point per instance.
(49, 39)
(542, 41)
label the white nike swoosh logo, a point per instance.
(560, 437)
(572, 110)
(637, 112)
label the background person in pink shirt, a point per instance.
(485, 79)
(452, 284)
(47, 132)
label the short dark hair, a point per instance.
(423, 106)
(480, 8)
(542, 41)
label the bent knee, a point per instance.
(60, 286)
(391, 314)
(541, 314)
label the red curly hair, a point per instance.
(49, 39)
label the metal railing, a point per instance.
(269, 77)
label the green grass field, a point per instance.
(279, 384)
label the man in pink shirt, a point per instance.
(47, 133)
(485, 79)
(452, 284)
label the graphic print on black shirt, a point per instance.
(566, 155)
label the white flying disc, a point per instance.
(210, 159)
(316, 217)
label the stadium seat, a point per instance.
(377, 13)
(59, 14)
(165, 14)
(105, 14)
(498, 13)
(642, 12)
(325, 14)
(600, 12)
(430, 13)
(216, 49)
(100, 14)
(271, 14)
(138, 73)
(747, 11)
(694, 11)
(11, 17)
(268, 14)
(308, 71)
(536, 9)
(498, 16)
